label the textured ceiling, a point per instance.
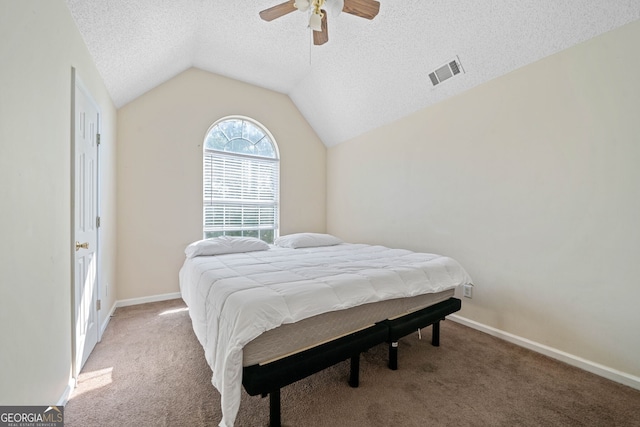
(368, 74)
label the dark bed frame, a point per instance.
(268, 379)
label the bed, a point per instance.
(269, 315)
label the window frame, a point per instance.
(210, 155)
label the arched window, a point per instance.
(241, 180)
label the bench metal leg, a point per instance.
(435, 337)
(274, 408)
(354, 375)
(393, 355)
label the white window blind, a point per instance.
(240, 195)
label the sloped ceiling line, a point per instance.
(369, 73)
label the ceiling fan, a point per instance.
(367, 9)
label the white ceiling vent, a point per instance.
(445, 72)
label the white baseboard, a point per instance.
(144, 300)
(587, 365)
(67, 392)
(107, 318)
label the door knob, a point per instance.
(84, 245)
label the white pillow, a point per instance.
(306, 240)
(224, 245)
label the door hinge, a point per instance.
(98, 304)
(98, 222)
(98, 138)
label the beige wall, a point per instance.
(39, 44)
(160, 136)
(532, 181)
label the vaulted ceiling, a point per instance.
(369, 73)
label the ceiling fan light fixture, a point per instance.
(335, 7)
(302, 5)
(315, 21)
(317, 12)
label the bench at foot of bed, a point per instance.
(271, 377)
(409, 323)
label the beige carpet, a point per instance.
(149, 370)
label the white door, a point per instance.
(85, 123)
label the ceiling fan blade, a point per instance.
(278, 10)
(367, 9)
(321, 37)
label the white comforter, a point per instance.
(234, 298)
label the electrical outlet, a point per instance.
(467, 291)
